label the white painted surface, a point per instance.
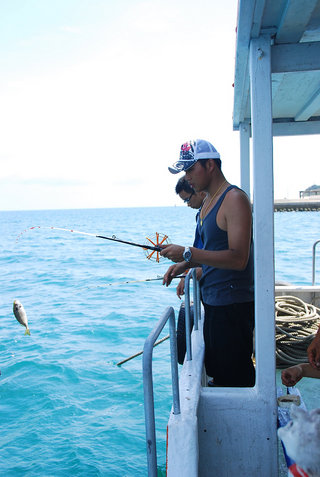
(183, 448)
(245, 157)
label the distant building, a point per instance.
(313, 191)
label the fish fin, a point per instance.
(27, 332)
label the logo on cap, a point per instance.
(186, 147)
(187, 152)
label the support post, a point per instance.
(245, 156)
(262, 147)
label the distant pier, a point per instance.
(289, 205)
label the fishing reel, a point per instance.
(155, 241)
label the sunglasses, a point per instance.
(187, 200)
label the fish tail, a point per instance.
(27, 332)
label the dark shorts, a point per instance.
(228, 337)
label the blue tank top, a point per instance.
(218, 286)
(197, 243)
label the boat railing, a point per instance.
(168, 315)
(314, 262)
(196, 308)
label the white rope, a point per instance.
(296, 325)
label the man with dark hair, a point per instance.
(183, 184)
(227, 290)
(194, 200)
(189, 196)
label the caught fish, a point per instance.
(21, 315)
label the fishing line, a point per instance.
(105, 285)
(153, 244)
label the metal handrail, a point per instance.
(148, 384)
(196, 299)
(196, 308)
(147, 364)
(314, 262)
(187, 315)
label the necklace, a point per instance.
(206, 207)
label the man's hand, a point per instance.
(180, 288)
(172, 252)
(174, 271)
(199, 273)
(291, 376)
(314, 352)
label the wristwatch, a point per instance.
(187, 254)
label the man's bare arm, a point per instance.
(235, 219)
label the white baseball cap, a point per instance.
(191, 152)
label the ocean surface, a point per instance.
(66, 408)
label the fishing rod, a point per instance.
(145, 247)
(141, 352)
(155, 247)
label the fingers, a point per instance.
(287, 379)
(173, 252)
(180, 288)
(314, 353)
(291, 376)
(311, 358)
(199, 273)
(317, 355)
(167, 279)
(168, 276)
(164, 250)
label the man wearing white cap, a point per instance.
(226, 259)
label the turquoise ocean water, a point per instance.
(66, 408)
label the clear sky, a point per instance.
(96, 97)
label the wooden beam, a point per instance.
(292, 128)
(295, 18)
(249, 22)
(310, 108)
(300, 57)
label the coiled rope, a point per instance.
(296, 325)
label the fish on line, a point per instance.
(21, 315)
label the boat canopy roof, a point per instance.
(294, 30)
